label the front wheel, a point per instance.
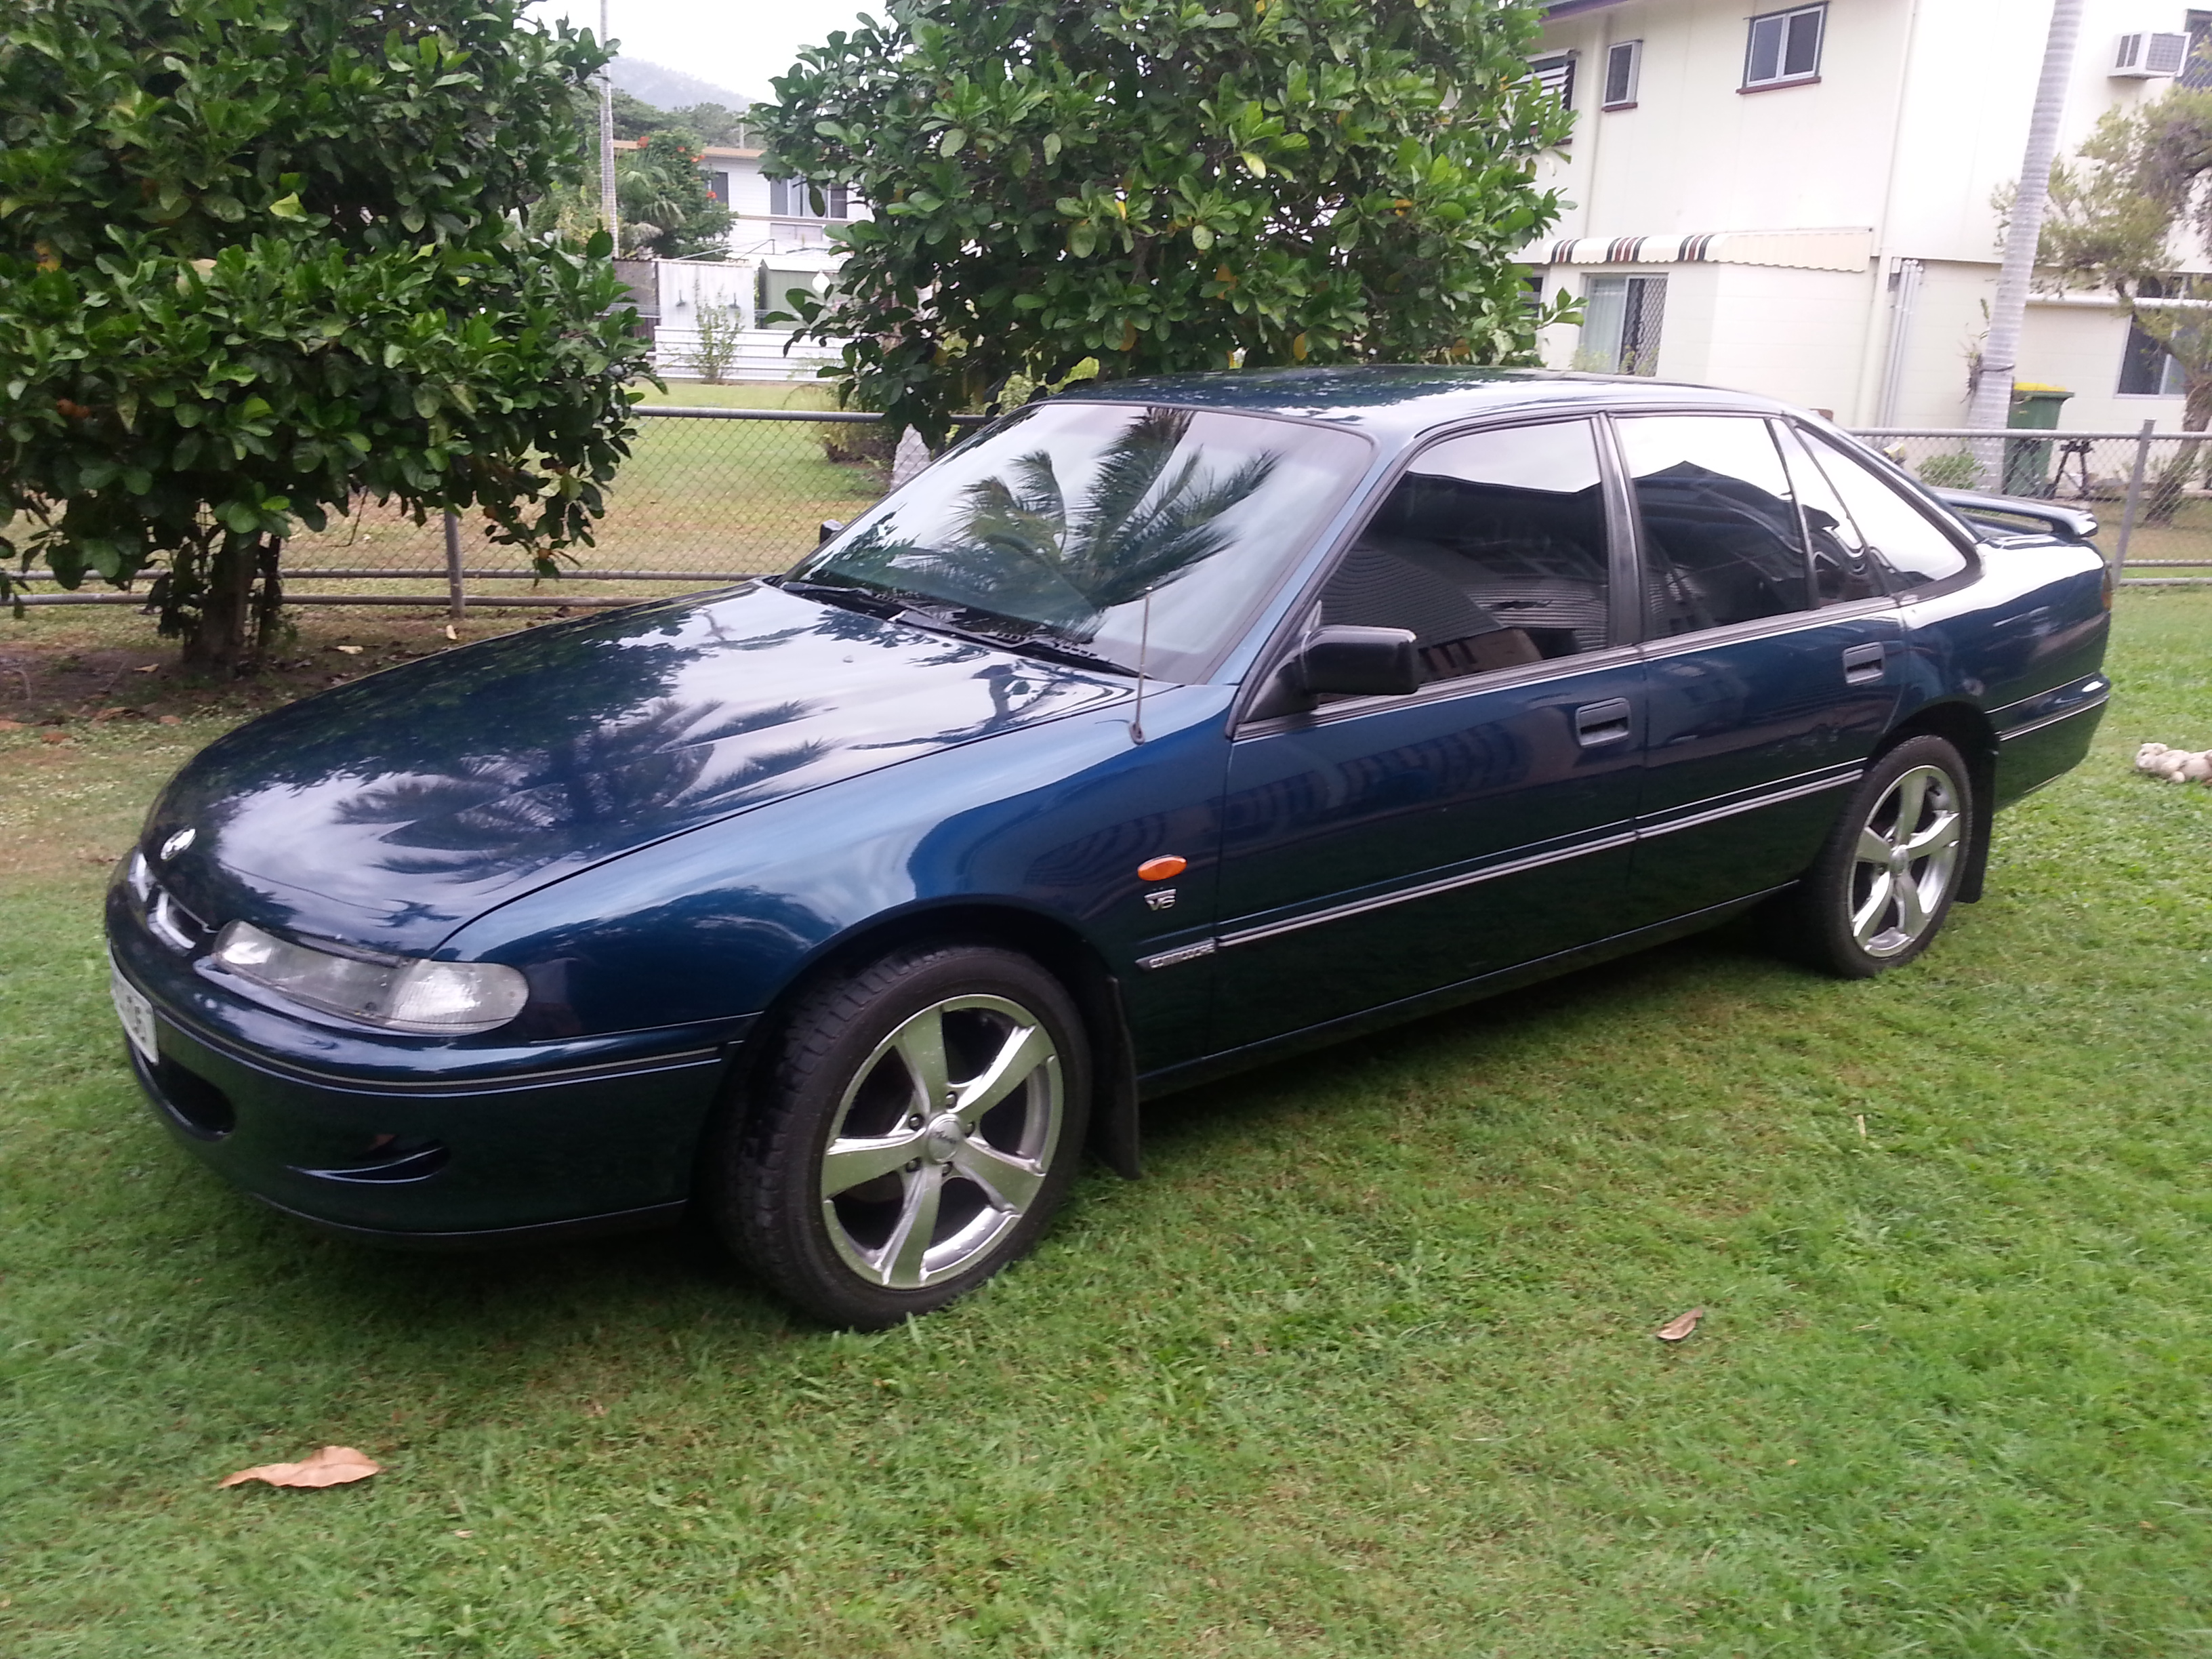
(1885, 881)
(922, 1122)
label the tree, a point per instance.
(1168, 184)
(666, 211)
(2124, 214)
(260, 259)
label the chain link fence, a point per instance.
(709, 496)
(2151, 491)
(712, 495)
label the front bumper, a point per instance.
(426, 1142)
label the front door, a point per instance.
(1378, 847)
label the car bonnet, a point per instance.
(386, 813)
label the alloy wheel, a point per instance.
(1907, 853)
(942, 1141)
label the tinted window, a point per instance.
(1894, 532)
(1720, 531)
(1842, 567)
(1492, 549)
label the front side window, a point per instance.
(1784, 47)
(1621, 317)
(1130, 532)
(1491, 549)
(1720, 529)
(1904, 539)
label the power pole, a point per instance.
(610, 215)
(1992, 399)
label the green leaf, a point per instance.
(1254, 165)
(288, 207)
(1201, 238)
(952, 141)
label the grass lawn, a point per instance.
(1363, 1367)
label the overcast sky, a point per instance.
(735, 46)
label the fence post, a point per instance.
(456, 598)
(2133, 501)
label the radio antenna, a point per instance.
(1143, 646)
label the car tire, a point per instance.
(1882, 885)
(919, 1124)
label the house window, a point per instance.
(794, 199)
(1555, 75)
(718, 188)
(1785, 47)
(2197, 68)
(2147, 369)
(1621, 317)
(1622, 60)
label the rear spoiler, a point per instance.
(2003, 514)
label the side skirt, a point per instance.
(1191, 1073)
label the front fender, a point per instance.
(715, 923)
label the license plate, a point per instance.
(135, 1013)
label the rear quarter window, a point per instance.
(1910, 546)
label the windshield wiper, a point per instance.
(1029, 645)
(850, 598)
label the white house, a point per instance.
(779, 240)
(1796, 199)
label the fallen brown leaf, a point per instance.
(449, 632)
(11, 726)
(53, 736)
(349, 650)
(150, 668)
(112, 715)
(171, 719)
(1675, 1329)
(333, 1466)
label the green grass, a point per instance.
(1363, 1366)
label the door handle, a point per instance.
(1600, 723)
(1864, 664)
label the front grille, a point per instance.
(169, 921)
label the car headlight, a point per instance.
(403, 993)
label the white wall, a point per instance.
(1918, 117)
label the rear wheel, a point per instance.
(921, 1124)
(1883, 885)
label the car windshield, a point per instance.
(1058, 525)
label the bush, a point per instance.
(1957, 471)
(871, 443)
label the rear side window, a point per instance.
(1898, 535)
(1720, 530)
(1492, 549)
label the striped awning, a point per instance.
(1850, 248)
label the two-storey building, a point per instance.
(1798, 199)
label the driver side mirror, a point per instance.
(1344, 661)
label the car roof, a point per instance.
(1396, 399)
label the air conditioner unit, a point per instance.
(2141, 57)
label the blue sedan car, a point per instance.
(1157, 731)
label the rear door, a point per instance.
(1771, 646)
(1378, 847)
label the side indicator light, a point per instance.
(1164, 868)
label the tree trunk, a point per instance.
(216, 629)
